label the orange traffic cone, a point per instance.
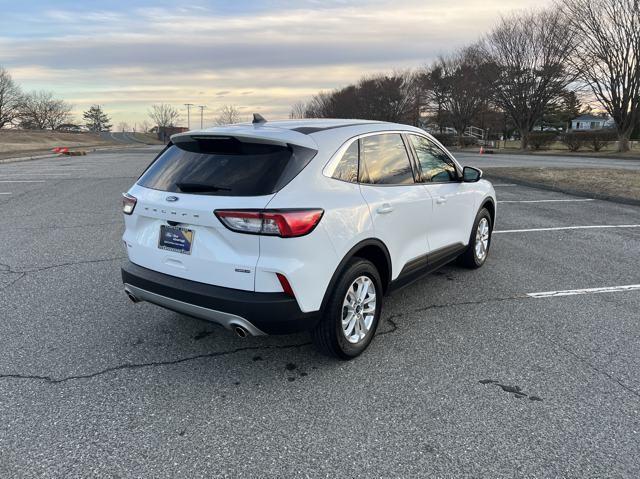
(482, 150)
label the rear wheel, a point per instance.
(352, 313)
(479, 242)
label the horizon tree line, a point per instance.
(40, 110)
(529, 71)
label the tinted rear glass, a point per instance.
(384, 160)
(347, 168)
(225, 167)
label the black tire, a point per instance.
(469, 258)
(328, 335)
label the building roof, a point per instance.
(589, 118)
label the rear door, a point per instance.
(173, 229)
(400, 208)
(453, 200)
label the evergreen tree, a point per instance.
(96, 119)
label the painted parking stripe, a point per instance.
(1, 193)
(506, 184)
(32, 174)
(560, 228)
(22, 181)
(571, 292)
(43, 171)
(46, 168)
(546, 201)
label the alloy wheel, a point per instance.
(358, 309)
(482, 239)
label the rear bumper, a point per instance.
(258, 313)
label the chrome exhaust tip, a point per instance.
(240, 331)
(131, 296)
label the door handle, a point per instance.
(384, 209)
(441, 200)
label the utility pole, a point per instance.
(188, 105)
(202, 107)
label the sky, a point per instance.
(260, 56)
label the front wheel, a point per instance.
(479, 242)
(353, 312)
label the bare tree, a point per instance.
(163, 115)
(435, 91)
(40, 110)
(387, 98)
(123, 126)
(413, 90)
(395, 97)
(298, 110)
(228, 115)
(465, 87)
(10, 98)
(59, 113)
(319, 106)
(530, 52)
(145, 126)
(607, 56)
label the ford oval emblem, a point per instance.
(172, 198)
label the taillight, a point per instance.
(128, 203)
(283, 223)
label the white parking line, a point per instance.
(38, 172)
(4, 193)
(560, 228)
(505, 184)
(571, 292)
(22, 181)
(12, 174)
(544, 201)
(45, 168)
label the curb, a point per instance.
(56, 155)
(27, 158)
(568, 191)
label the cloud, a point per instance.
(264, 54)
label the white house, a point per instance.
(590, 122)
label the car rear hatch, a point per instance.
(173, 229)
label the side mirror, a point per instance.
(471, 174)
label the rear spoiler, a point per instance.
(251, 133)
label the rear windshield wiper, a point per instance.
(200, 188)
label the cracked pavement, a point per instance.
(467, 376)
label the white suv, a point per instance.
(286, 226)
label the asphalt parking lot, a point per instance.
(468, 375)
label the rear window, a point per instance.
(347, 168)
(225, 167)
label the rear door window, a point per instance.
(384, 160)
(225, 167)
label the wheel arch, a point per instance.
(490, 205)
(371, 249)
